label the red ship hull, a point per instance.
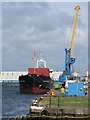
(37, 81)
(34, 91)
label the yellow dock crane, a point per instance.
(75, 87)
(69, 60)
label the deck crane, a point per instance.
(69, 60)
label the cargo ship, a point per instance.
(37, 81)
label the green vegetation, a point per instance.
(66, 101)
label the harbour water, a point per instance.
(14, 103)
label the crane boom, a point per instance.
(73, 32)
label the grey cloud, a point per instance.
(34, 26)
(17, 12)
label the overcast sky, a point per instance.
(29, 27)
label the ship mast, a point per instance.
(35, 60)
